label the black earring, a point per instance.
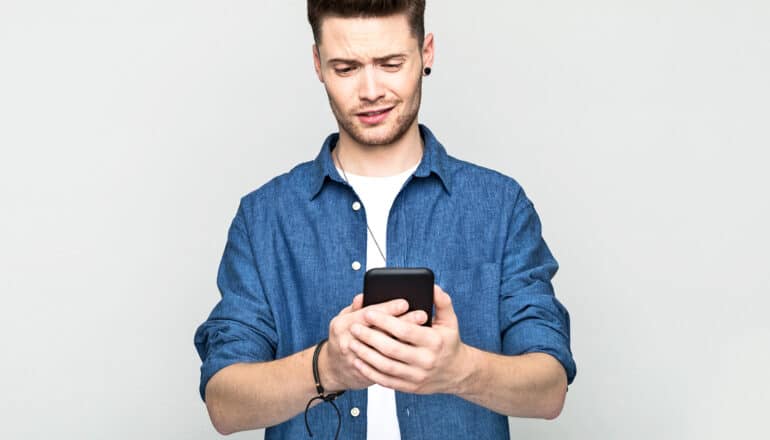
(427, 71)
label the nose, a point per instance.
(370, 88)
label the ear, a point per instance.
(317, 63)
(428, 51)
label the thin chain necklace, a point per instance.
(337, 152)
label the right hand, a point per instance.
(336, 368)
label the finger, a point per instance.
(445, 313)
(388, 346)
(341, 327)
(383, 364)
(395, 307)
(418, 317)
(382, 379)
(401, 329)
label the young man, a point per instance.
(383, 192)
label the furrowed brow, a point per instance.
(376, 60)
(389, 57)
(341, 61)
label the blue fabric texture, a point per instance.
(287, 271)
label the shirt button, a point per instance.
(355, 411)
(356, 205)
(356, 265)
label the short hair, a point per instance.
(317, 10)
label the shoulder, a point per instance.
(472, 180)
(271, 195)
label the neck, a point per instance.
(379, 160)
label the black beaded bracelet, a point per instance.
(325, 397)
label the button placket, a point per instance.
(356, 206)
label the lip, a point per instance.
(374, 119)
(375, 110)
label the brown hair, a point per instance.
(414, 10)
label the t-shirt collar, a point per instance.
(434, 161)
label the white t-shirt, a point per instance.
(377, 195)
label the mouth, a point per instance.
(374, 117)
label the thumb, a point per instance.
(358, 302)
(445, 312)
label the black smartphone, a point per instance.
(414, 284)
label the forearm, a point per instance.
(528, 385)
(248, 396)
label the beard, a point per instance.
(374, 136)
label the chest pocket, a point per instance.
(475, 293)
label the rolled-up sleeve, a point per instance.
(240, 328)
(531, 318)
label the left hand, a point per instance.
(415, 359)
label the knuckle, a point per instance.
(430, 362)
(344, 346)
(392, 349)
(400, 331)
(360, 316)
(334, 327)
(390, 369)
(397, 305)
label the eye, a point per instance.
(392, 67)
(344, 70)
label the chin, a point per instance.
(376, 135)
(386, 133)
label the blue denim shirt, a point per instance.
(287, 270)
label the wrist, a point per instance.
(467, 376)
(326, 371)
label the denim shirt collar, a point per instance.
(434, 160)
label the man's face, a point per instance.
(372, 71)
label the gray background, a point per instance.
(129, 131)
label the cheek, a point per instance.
(342, 92)
(404, 86)
(405, 90)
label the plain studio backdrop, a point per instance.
(130, 129)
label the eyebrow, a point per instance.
(376, 60)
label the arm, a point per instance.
(529, 378)
(528, 385)
(247, 396)
(427, 360)
(242, 383)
